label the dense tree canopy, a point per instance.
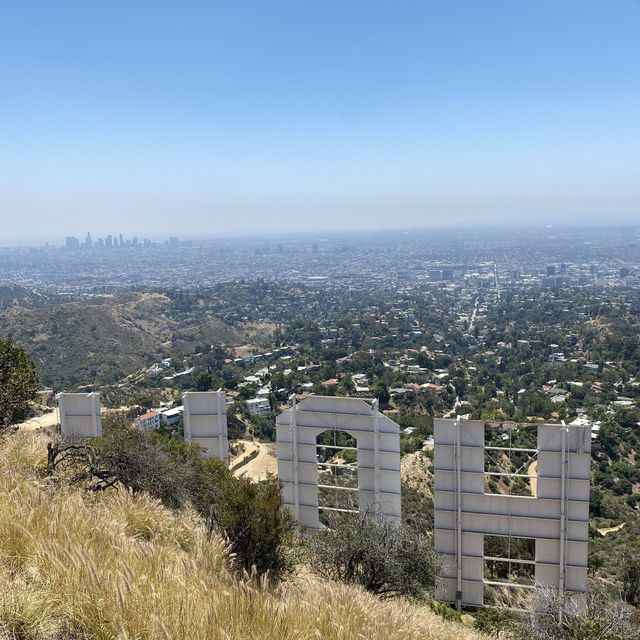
(19, 383)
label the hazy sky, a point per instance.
(194, 117)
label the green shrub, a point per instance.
(600, 615)
(385, 557)
(250, 515)
(445, 611)
(492, 621)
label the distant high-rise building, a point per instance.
(71, 243)
(108, 243)
(551, 269)
(134, 242)
(88, 242)
(625, 272)
(315, 249)
(121, 240)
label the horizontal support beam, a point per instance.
(510, 515)
(506, 496)
(527, 537)
(476, 473)
(512, 560)
(314, 463)
(313, 484)
(331, 486)
(335, 446)
(338, 510)
(300, 413)
(483, 446)
(484, 581)
(538, 562)
(339, 466)
(385, 423)
(505, 474)
(511, 585)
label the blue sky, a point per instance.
(203, 117)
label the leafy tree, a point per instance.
(381, 391)
(385, 557)
(631, 581)
(263, 428)
(19, 383)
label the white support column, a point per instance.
(458, 514)
(61, 411)
(223, 444)
(186, 415)
(97, 420)
(294, 457)
(563, 510)
(376, 455)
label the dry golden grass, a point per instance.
(107, 566)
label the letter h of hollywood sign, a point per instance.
(556, 517)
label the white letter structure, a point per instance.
(378, 451)
(557, 517)
(79, 415)
(205, 422)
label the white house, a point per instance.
(259, 407)
(148, 421)
(171, 416)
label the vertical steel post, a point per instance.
(61, 411)
(186, 417)
(223, 445)
(563, 512)
(376, 455)
(294, 451)
(95, 414)
(458, 514)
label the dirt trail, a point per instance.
(51, 419)
(45, 420)
(532, 470)
(264, 463)
(606, 530)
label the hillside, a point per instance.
(99, 341)
(111, 565)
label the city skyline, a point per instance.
(58, 240)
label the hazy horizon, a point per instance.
(321, 235)
(203, 119)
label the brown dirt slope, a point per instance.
(99, 342)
